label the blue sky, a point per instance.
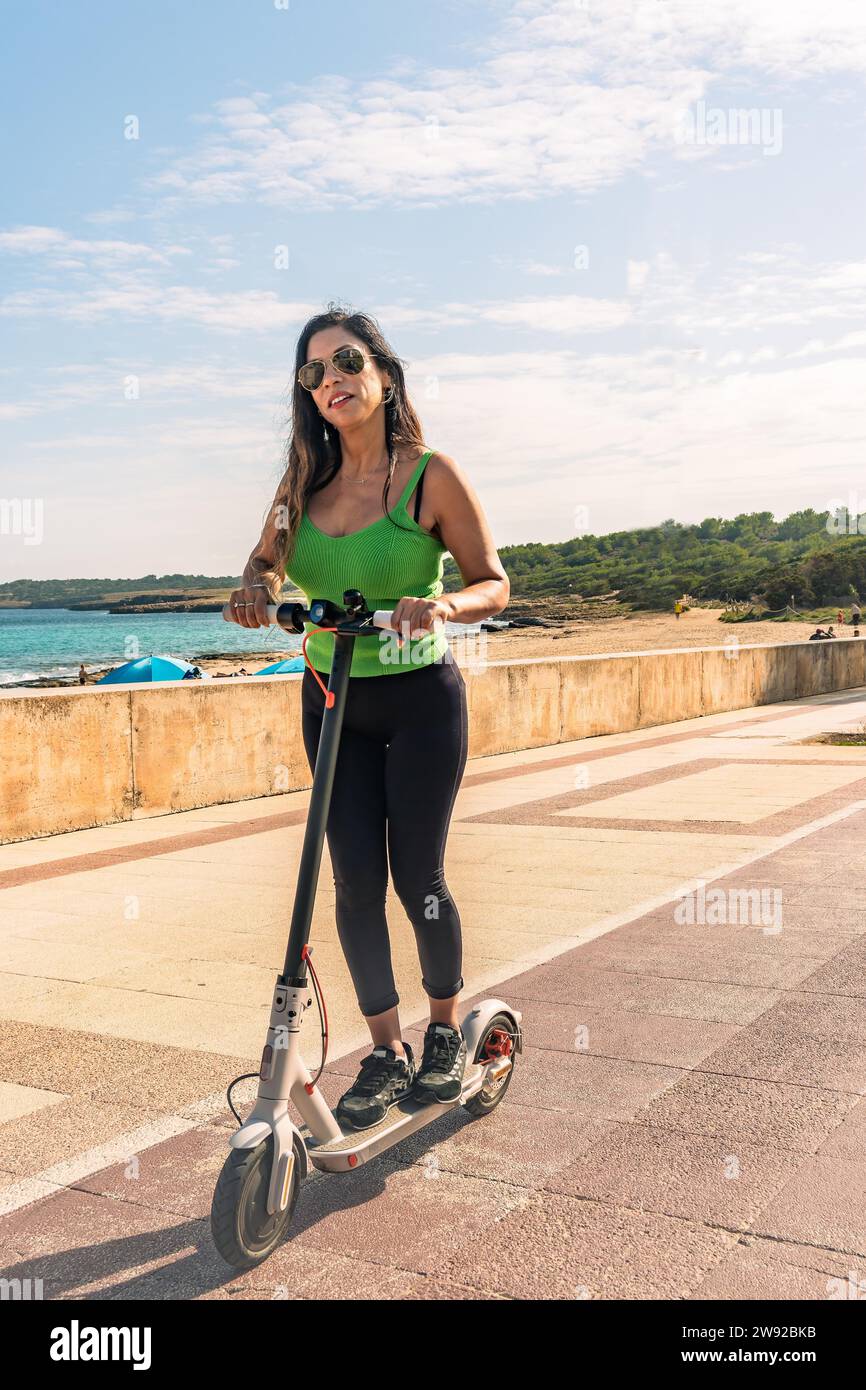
(619, 299)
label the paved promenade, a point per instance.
(680, 913)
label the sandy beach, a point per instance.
(699, 627)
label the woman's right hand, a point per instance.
(248, 606)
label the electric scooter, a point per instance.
(258, 1187)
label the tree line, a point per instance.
(810, 557)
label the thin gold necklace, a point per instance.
(364, 480)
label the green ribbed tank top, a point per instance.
(385, 563)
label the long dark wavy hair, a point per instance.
(313, 454)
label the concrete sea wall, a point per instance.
(74, 758)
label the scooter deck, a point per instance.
(357, 1146)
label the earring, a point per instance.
(386, 400)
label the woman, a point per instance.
(356, 442)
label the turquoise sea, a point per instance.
(38, 642)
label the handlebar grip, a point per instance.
(272, 610)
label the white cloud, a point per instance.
(784, 37)
(251, 390)
(569, 313)
(136, 298)
(61, 249)
(264, 311)
(749, 293)
(636, 437)
(540, 268)
(564, 98)
(816, 347)
(633, 435)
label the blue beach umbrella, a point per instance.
(287, 667)
(148, 668)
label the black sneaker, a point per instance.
(440, 1075)
(383, 1081)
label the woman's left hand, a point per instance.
(413, 617)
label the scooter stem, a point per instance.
(295, 969)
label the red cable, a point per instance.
(305, 955)
(328, 694)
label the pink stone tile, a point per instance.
(769, 1051)
(800, 914)
(819, 1015)
(561, 982)
(765, 1270)
(78, 1243)
(844, 974)
(745, 1111)
(178, 1175)
(630, 1036)
(606, 1087)
(823, 1204)
(694, 1176)
(561, 1248)
(430, 1290)
(835, 896)
(515, 1143)
(848, 1141)
(293, 1272)
(706, 959)
(388, 1213)
(37, 1141)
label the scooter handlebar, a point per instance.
(381, 618)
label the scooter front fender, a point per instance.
(288, 1150)
(250, 1135)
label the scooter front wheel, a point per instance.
(244, 1231)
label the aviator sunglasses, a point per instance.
(346, 359)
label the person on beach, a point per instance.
(405, 735)
(82, 678)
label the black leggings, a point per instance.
(402, 754)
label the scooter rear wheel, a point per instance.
(496, 1041)
(244, 1231)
